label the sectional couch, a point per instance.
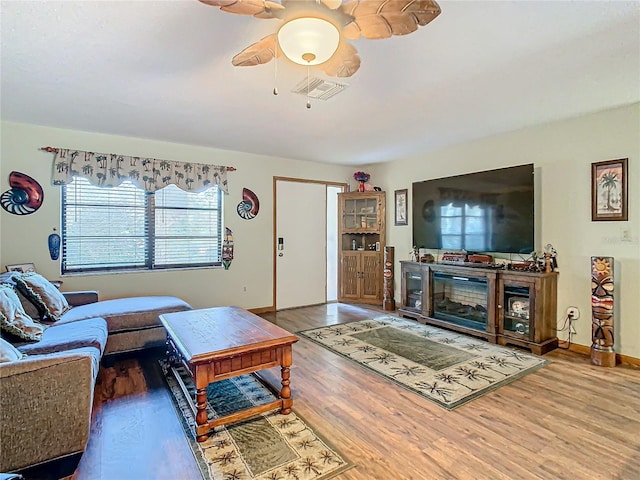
(47, 386)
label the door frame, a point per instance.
(274, 239)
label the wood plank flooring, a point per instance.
(568, 420)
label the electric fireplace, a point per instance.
(460, 300)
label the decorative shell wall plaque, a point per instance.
(24, 197)
(249, 206)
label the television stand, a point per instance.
(502, 306)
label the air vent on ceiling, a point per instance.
(319, 88)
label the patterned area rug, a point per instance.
(267, 447)
(447, 368)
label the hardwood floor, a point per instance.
(567, 420)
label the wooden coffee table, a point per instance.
(218, 343)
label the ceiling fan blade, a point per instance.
(374, 27)
(351, 31)
(357, 7)
(331, 4)
(401, 23)
(424, 11)
(218, 3)
(344, 63)
(258, 53)
(257, 8)
(378, 19)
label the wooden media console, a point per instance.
(503, 306)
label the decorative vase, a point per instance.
(361, 186)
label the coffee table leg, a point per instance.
(201, 417)
(171, 357)
(285, 393)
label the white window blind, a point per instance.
(125, 228)
(188, 227)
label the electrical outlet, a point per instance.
(573, 313)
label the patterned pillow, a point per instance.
(9, 353)
(43, 294)
(29, 307)
(13, 319)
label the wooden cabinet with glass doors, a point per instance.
(527, 304)
(361, 242)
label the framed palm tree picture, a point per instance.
(400, 204)
(609, 194)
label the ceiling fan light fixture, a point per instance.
(308, 40)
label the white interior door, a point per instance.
(332, 242)
(301, 255)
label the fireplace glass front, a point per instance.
(460, 300)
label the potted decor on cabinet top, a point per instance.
(362, 178)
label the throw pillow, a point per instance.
(9, 353)
(44, 295)
(13, 318)
(29, 307)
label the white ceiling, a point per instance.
(162, 70)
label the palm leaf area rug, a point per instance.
(447, 368)
(266, 447)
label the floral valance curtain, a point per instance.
(149, 174)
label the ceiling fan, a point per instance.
(315, 32)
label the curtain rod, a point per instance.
(56, 150)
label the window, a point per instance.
(125, 228)
(464, 227)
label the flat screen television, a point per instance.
(490, 211)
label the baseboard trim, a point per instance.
(620, 359)
(260, 310)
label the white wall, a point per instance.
(24, 238)
(562, 154)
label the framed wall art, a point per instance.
(21, 267)
(400, 203)
(609, 194)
